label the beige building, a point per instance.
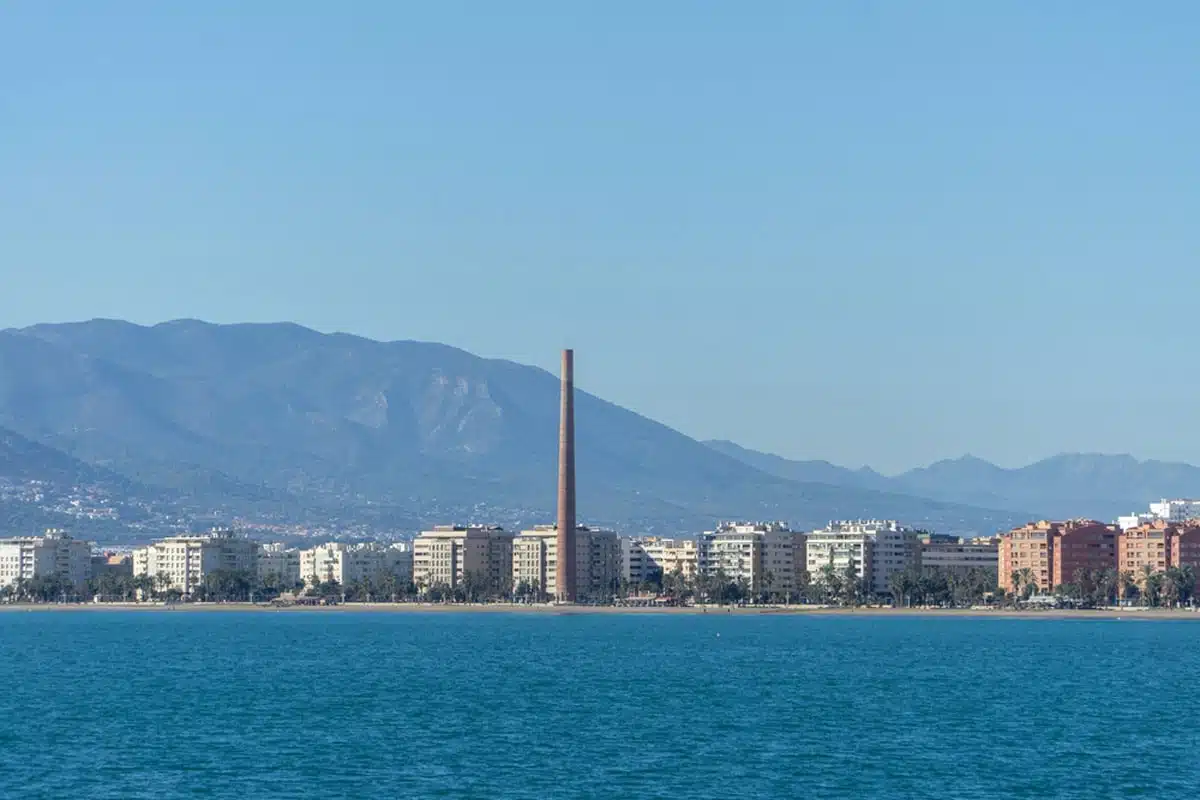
(187, 560)
(961, 556)
(347, 564)
(446, 554)
(765, 556)
(597, 562)
(54, 553)
(281, 561)
(119, 564)
(397, 559)
(642, 557)
(875, 549)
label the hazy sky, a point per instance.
(873, 232)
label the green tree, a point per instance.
(852, 593)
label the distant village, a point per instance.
(1146, 559)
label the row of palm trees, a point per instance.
(1089, 588)
(1171, 588)
(219, 585)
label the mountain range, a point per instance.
(1066, 485)
(283, 422)
(188, 420)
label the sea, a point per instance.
(343, 704)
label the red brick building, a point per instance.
(1185, 549)
(1083, 544)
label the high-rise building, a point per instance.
(186, 561)
(566, 579)
(53, 554)
(874, 549)
(445, 555)
(764, 556)
(597, 562)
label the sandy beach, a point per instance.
(498, 608)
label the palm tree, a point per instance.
(1025, 579)
(1187, 583)
(1016, 579)
(1170, 588)
(1106, 581)
(1147, 584)
(1124, 584)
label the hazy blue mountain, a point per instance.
(1069, 484)
(966, 476)
(283, 413)
(39, 483)
(1066, 485)
(814, 471)
(24, 460)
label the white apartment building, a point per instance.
(444, 555)
(1134, 521)
(54, 553)
(642, 556)
(1176, 510)
(1180, 510)
(187, 560)
(346, 564)
(874, 548)
(281, 561)
(598, 565)
(767, 556)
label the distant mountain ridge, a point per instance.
(282, 416)
(1065, 485)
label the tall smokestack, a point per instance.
(565, 576)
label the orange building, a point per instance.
(1146, 545)
(1159, 545)
(1030, 547)
(1053, 551)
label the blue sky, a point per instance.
(871, 232)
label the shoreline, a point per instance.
(497, 608)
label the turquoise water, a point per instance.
(298, 705)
